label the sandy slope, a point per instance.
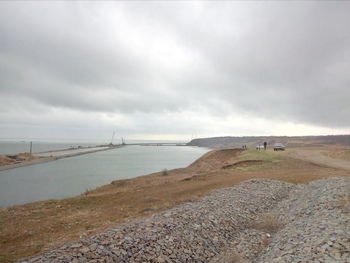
(319, 156)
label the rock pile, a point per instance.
(317, 224)
(309, 224)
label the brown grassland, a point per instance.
(31, 228)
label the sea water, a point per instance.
(73, 176)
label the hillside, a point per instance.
(256, 221)
(32, 228)
(214, 160)
(251, 142)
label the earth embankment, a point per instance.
(215, 159)
(306, 223)
(29, 229)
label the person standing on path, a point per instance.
(265, 146)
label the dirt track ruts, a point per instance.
(317, 157)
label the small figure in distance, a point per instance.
(265, 146)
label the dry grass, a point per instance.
(268, 223)
(28, 229)
(4, 160)
(22, 158)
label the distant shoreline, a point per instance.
(52, 158)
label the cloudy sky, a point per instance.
(173, 70)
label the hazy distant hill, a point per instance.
(252, 141)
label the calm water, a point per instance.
(72, 176)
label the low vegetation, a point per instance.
(165, 172)
(259, 155)
(268, 223)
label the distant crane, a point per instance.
(112, 138)
(31, 148)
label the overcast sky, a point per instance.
(173, 70)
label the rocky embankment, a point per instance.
(255, 221)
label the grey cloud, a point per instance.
(281, 67)
(279, 61)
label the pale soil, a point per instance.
(4, 160)
(343, 154)
(25, 157)
(332, 157)
(8, 163)
(29, 229)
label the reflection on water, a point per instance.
(72, 176)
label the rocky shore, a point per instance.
(256, 221)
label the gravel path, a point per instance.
(311, 224)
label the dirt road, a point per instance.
(319, 157)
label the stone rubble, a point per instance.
(220, 227)
(317, 224)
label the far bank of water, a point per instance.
(14, 147)
(72, 176)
